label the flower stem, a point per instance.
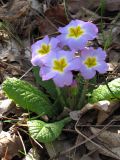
(82, 98)
(50, 149)
(60, 97)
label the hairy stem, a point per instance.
(82, 98)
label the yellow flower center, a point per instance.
(45, 49)
(90, 62)
(75, 32)
(60, 65)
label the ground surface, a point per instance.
(95, 136)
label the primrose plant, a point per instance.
(66, 63)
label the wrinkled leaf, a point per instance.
(27, 96)
(46, 132)
(105, 93)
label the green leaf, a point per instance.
(27, 96)
(46, 132)
(48, 85)
(104, 92)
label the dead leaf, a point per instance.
(75, 115)
(109, 140)
(103, 115)
(53, 17)
(36, 5)
(114, 57)
(32, 155)
(75, 5)
(100, 106)
(14, 9)
(57, 14)
(45, 27)
(5, 105)
(86, 157)
(9, 145)
(112, 5)
(111, 35)
(111, 152)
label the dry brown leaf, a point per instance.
(114, 58)
(111, 152)
(100, 106)
(112, 5)
(111, 35)
(86, 157)
(45, 27)
(32, 155)
(5, 105)
(91, 156)
(9, 145)
(110, 138)
(56, 14)
(75, 5)
(14, 9)
(35, 4)
(102, 116)
(53, 17)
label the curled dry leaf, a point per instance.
(7, 143)
(102, 116)
(100, 106)
(110, 140)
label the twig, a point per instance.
(104, 148)
(50, 149)
(31, 137)
(86, 140)
(22, 142)
(2, 2)
(26, 72)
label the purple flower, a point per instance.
(77, 33)
(58, 66)
(42, 48)
(92, 60)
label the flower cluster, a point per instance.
(57, 63)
